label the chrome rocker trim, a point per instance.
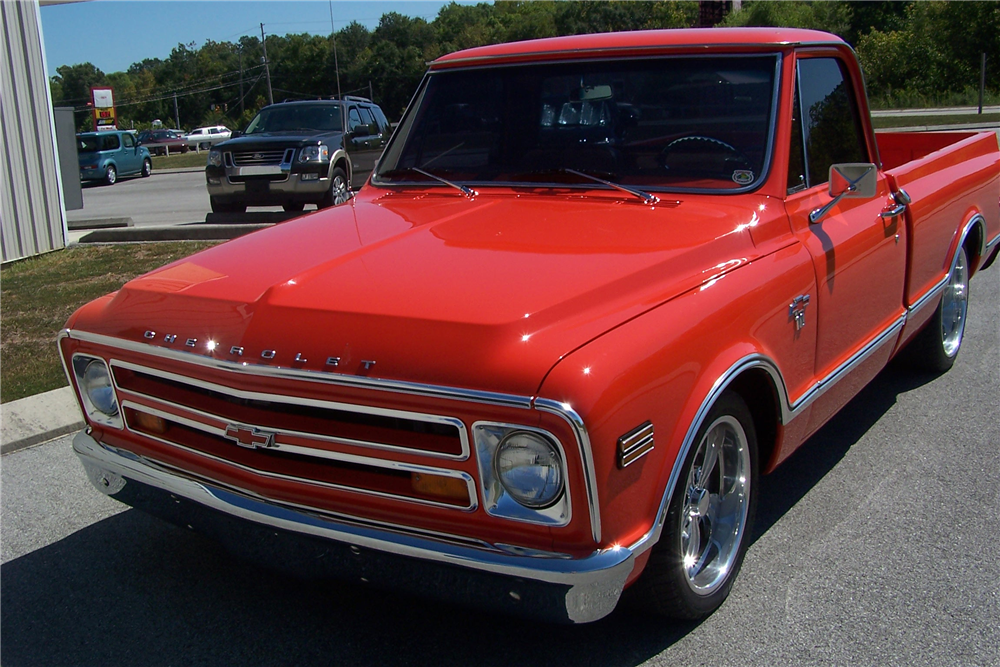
(592, 584)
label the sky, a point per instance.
(113, 34)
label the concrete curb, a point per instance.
(36, 419)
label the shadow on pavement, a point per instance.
(798, 474)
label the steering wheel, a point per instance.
(734, 160)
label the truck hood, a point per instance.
(268, 140)
(432, 287)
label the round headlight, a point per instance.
(97, 386)
(530, 469)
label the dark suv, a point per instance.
(297, 153)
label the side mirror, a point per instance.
(848, 180)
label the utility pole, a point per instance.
(241, 80)
(177, 118)
(982, 81)
(267, 66)
(333, 35)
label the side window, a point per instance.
(796, 151)
(128, 141)
(383, 123)
(110, 142)
(831, 127)
(369, 120)
(354, 122)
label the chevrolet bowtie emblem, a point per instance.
(249, 436)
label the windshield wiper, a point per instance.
(644, 196)
(466, 190)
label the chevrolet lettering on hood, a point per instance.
(212, 346)
(583, 265)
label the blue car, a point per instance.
(104, 156)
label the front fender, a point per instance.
(665, 366)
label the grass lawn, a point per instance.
(189, 159)
(39, 294)
(882, 122)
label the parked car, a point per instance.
(297, 153)
(163, 142)
(525, 372)
(206, 137)
(104, 156)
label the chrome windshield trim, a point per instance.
(595, 580)
(600, 55)
(381, 463)
(458, 424)
(566, 412)
(320, 377)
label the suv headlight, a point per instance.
(523, 473)
(215, 158)
(97, 391)
(319, 153)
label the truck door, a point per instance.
(859, 256)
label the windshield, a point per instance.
(689, 123)
(296, 118)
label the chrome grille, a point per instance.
(250, 158)
(303, 441)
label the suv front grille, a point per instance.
(251, 158)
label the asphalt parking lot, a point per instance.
(876, 544)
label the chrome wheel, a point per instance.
(340, 192)
(110, 175)
(715, 506)
(955, 306)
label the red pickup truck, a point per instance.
(595, 287)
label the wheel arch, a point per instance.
(758, 381)
(973, 238)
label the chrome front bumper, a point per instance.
(542, 585)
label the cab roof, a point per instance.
(578, 46)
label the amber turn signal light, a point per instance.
(452, 488)
(144, 421)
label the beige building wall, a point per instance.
(32, 212)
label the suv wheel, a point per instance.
(110, 175)
(147, 167)
(338, 192)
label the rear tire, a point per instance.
(293, 207)
(110, 175)
(937, 345)
(707, 530)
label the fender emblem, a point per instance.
(249, 436)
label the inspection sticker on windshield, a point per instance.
(743, 176)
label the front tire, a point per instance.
(338, 192)
(936, 347)
(293, 207)
(707, 529)
(110, 175)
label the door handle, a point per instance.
(902, 199)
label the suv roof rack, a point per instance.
(355, 98)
